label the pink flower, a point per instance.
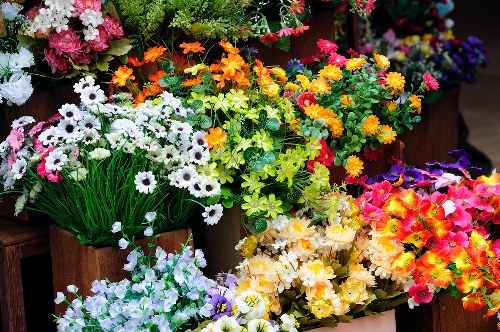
(55, 118)
(56, 62)
(36, 129)
(454, 240)
(337, 59)
(285, 32)
(66, 41)
(327, 46)
(488, 190)
(80, 6)
(496, 248)
(371, 212)
(420, 293)
(381, 192)
(41, 170)
(80, 58)
(460, 217)
(113, 27)
(16, 138)
(430, 82)
(100, 43)
(54, 176)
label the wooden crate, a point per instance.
(76, 264)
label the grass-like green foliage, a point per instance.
(168, 20)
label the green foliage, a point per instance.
(197, 19)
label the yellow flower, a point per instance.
(395, 81)
(320, 86)
(353, 291)
(400, 56)
(416, 103)
(354, 166)
(336, 127)
(382, 60)
(298, 228)
(271, 89)
(355, 63)
(249, 245)
(391, 106)
(315, 271)
(291, 87)
(346, 101)
(304, 81)
(313, 111)
(370, 125)
(387, 134)
(331, 72)
(321, 309)
(448, 35)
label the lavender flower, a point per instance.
(220, 307)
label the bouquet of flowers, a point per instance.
(354, 104)
(76, 37)
(15, 83)
(324, 266)
(257, 153)
(93, 164)
(441, 215)
(167, 293)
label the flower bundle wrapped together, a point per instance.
(78, 36)
(15, 83)
(442, 216)
(355, 104)
(92, 165)
(256, 152)
(324, 268)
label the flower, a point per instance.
(382, 60)
(145, 182)
(355, 63)
(117, 227)
(370, 125)
(60, 298)
(192, 47)
(150, 216)
(331, 72)
(122, 75)
(216, 138)
(430, 82)
(395, 81)
(220, 306)
(421, 293)
(148, 231)
(327, 46)
(354, 166)
(99, 154)
(123, 243)
(212, 214)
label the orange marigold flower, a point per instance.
(355, 63)
(139, 99)
(473, 302)
(354, 166)
(121, 76)
(395, 81)
(416, 103)
(232, 63)
(216, 137)
(382, 60)
(229, 48)
(153, 53)
(313, 110)
(191, 82)
(291, 87)
(346, 101)
(387, 135)
(271, 89)
(320, 86)
(370, 125)
(335, 125)
(331, 72)
(391, 106)
(304, 81)
(156, 77)
(192, 47)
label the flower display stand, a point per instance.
(436, 134)
(76, 264)
(385, 322)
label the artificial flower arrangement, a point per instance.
(15, 82)
(441, 216)
(355, 104)
(256, 151)
(75, 37)
(167, 293)
(324, 265)
(92, 164)
(275, 22)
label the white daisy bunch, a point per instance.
(327, 264)
(150, 149)
(15, 83)
(166, 292)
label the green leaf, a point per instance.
(119, 47)
(196, 104)
(260, 225)
(168, 67)
(228, 203)
(167, 81)
(273, 124)
(213, 200)
(103, 63)
(206, 77)
(205, 121)
(284, 43)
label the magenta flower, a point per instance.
(100, 43)
(371, 212)
(430, 82)
(337, 59)
(421, 293)
(327, 46)
(113, 27)
(285, 32)
(488, 190)
(66, 41)
(460, 217)
(55, 62)
(16, 138)
(80, 6)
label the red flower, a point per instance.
(421, 293)
(113, 27)
(100, 43)
(372, 155)
(353, 53)
(306, 99)
(269, 38)
(430, 82)
(300, 30)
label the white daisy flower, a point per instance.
(195, 189)
(126, 127)
(145, 182)
(170, 153)
(157, 129)
(199, 139)
(56, 160)
(209, 187)
(84, 83)
(70, 112)
(115, 140)
(99, 154)
(90, 138)
(129, 148)
(199, 155)
(179, 129)
(88, 122)
(148, 143)
(212, 214)
(226, 323)
(92, 95)
(18, 168)
(186, 176)
(69, 131)
(22, 121)
(49, 136)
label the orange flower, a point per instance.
(216, 138)
(471, 279)
(354, 166)
(139, 99)
(191, 82)
(232, 63)
(135, 61)
(473, 301)
(410, 199)
(192, 47)
(156, 77)
(439, 227)
(461, 259)
(438, 276)
(395, 207)
(404, 263)
(370, 125)
(229, 48)
(121, 76)
(418, 239)
(435, 258)
(153, 53)
(391, 228)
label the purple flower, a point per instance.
(295, 65)
(227, 280)
(250, 50)
(220, 307)
(394, 172)
(413, 175)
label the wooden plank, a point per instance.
(34, 247)
(15, 232)
(11, 290)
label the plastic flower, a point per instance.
(355, 63)
(395, 81)
(430, 82)
(145, 182)
(421, 293)
(354, 166)
(382, 60)
(191, 47)
(331, 72)
(370, 125)
(216, 138)
(153, 53)
(416, 103)
(327, 46)
(122, 75)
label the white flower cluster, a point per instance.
(162, 297)
(56, 14)
(176, 153)
(10, 11)
(15, 84)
